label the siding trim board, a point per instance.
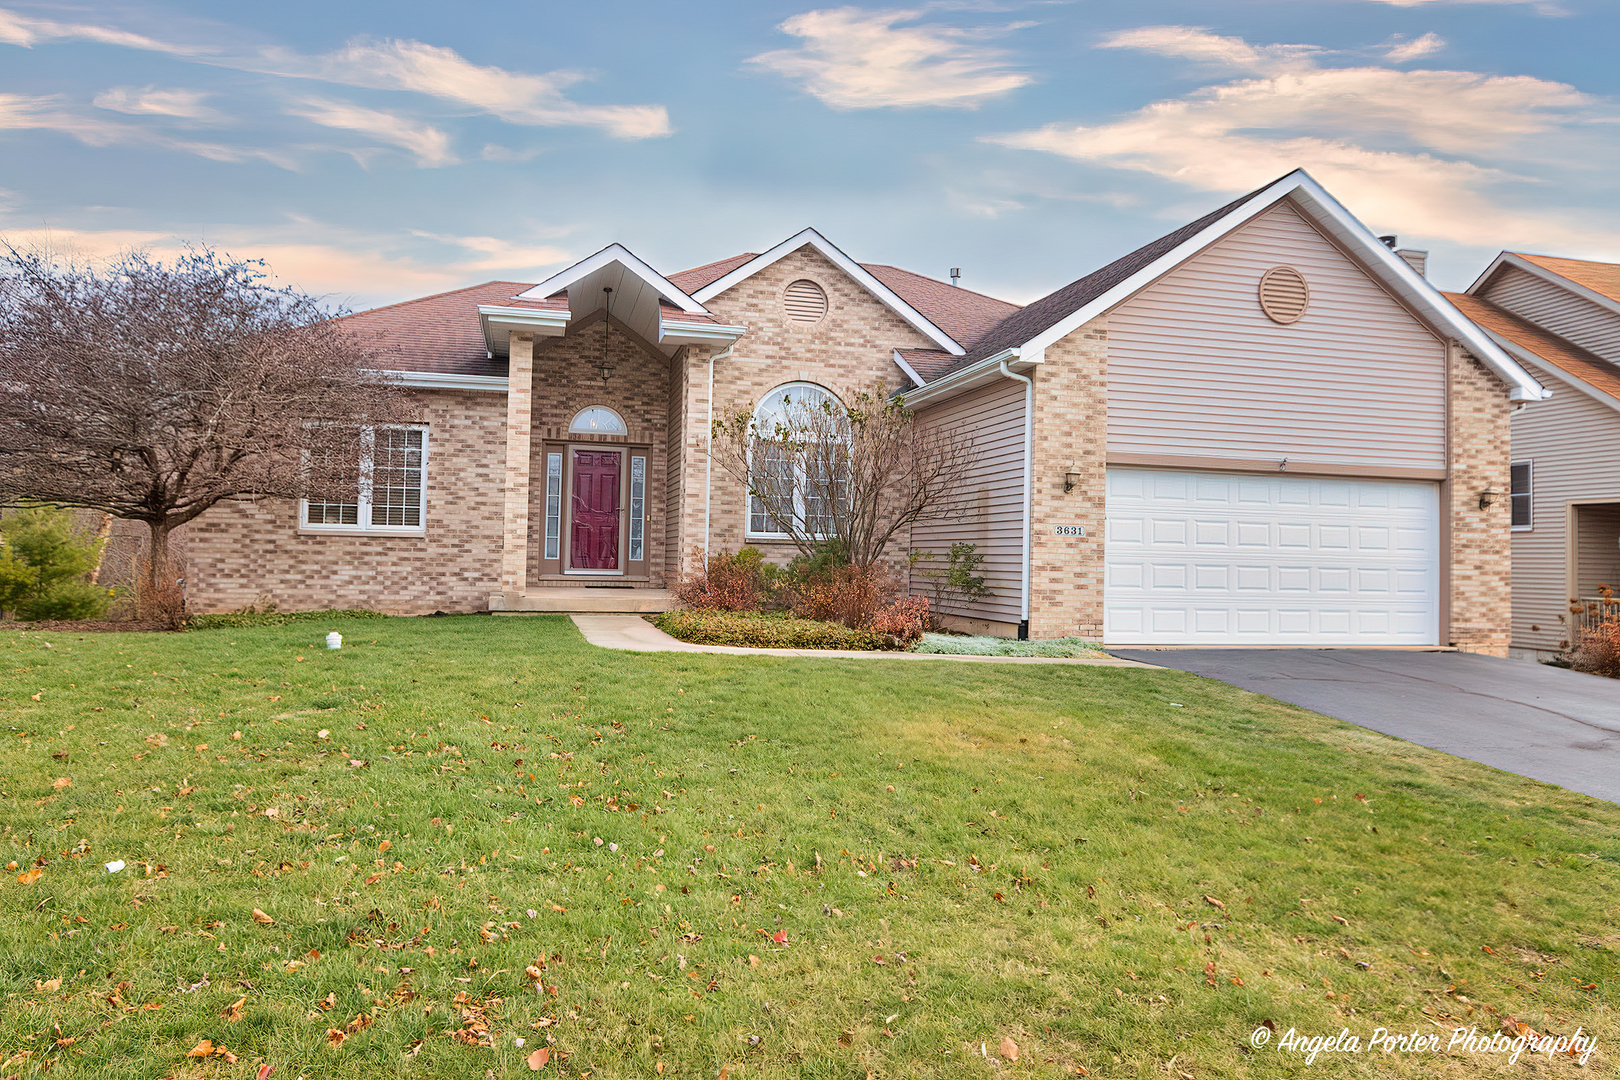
(1257, 465)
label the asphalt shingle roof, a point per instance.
(1551, 349)
(1601, 277)
(437, 333)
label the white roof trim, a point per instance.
(441, 380)
(545, 323)
(1529, 356)
(974, 375)
(620, 254)
(1389, 267)
(918, 321)
(1519, 262)
(907, 368)
(679, 332)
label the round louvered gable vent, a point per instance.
(1284, 296)
(804, 301)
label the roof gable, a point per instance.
(1048, 320)
(863, 277)
(694, 279)
(1593, 281)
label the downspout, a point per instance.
(1029, 488)
(708, 463)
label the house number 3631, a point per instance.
(1069, 530)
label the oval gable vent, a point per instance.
(1284, 296)
(804, 301)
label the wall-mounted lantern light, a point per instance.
(1487, 497)
(1071, 479)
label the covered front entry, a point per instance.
(1204, 558)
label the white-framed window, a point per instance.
(554, 463)
(638, 507)
(597, 420)
(1520, 479)
(772, 468)
(388, 495)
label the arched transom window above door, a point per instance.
(597, 420)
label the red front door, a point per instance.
(594, 541)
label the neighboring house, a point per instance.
(1560, 318)
(1263, 428)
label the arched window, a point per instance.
(597, 420)
(799, 473)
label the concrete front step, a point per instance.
(585, 601)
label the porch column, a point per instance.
(519, 421)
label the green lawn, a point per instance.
(749, 866)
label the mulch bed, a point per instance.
(97, 626)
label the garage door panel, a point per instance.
(1288, 560)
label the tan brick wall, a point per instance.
(253, 553)
(852, 346)
(1071, 431)
(568, 378)
(1480, 570)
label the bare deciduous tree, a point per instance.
(154, 391)
(855, 473)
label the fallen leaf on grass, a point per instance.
(262, 919)
(1209, 973)
(1341, 920)
(265, 1071)
(48, 985)
(233, 1012)
(201, 1050)
(538, 1059)
(336, 1037)
(1009, 1049)
(28, 877)
(61, 782)
(1214, 903)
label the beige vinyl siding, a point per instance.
(1554, 308)
(1573, 441)
(1196, 369)
(994, 515)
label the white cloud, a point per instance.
(854, 59)
(400, 65)
(1430, 152)
(358, 269)
(152, 101)
(27, 31)
(1401, 52)
(1542, 7)
(517, 98)
(1197, 43)
(430, 145)
(24, 113)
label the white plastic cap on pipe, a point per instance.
(334, 640)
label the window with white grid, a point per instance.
(389, 488)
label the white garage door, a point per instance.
(1245, 559)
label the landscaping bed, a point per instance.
(973, 645)
(764, 631)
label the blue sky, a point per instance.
(377, 151)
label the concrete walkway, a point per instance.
(635, 634)
(1547, 723)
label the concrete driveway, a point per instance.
(1546, 723)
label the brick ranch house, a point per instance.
(1263, 428)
